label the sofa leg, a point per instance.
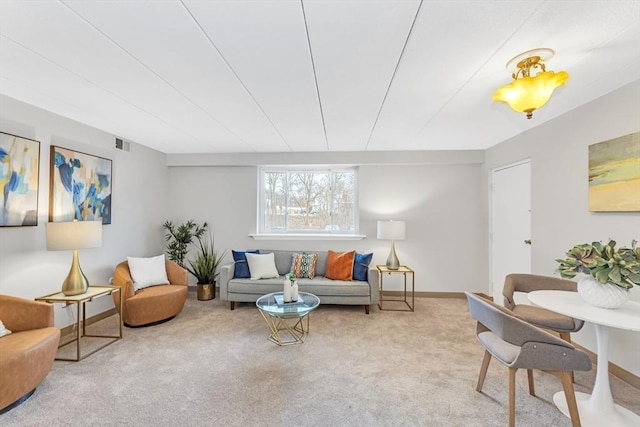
(232, 305)
(366, 309)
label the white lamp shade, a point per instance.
(391, 230)
(74, 235)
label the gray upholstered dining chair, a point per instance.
(540, 317)
(520, 345)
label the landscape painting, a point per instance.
(79, 187)
(19, 173)
(614, 175)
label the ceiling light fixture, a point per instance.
(527, 93)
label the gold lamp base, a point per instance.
(392, 261)
(76, 282)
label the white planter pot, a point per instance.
(601, 295)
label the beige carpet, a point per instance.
(212, 366)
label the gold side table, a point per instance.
(404, 270)
(80, 326)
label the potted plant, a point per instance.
(179, 237)
(605, 273)
(204, 266)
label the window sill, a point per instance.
(289, 236)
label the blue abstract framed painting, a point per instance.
(79, 187)
(19, 180)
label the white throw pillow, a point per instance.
(262, 266)
(147, 272)
(3, 331)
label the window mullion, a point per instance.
(332, 207)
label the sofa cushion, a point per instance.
(262, 266)
(340, 265)
(241, 267)
(147, 272)
(361, 266)
(304, 265)
(319, 286)
(260, 287)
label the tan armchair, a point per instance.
(519, 345)
(27, 354)
(152, 305)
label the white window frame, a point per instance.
(286, 234)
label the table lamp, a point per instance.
(73, 236)
(391, 230)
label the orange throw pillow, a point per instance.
(340, 265)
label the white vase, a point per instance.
(604, 295)
(286, 290)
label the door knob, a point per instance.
(527, 242)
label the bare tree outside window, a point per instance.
(308, 201)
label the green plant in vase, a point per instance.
(180, 236)
(605, 272)
(606, 263)
(204, 266)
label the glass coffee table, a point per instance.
(286, 320)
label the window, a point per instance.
(304, 201)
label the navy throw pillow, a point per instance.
(361, 266)
(241, 267)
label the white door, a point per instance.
(510, 223)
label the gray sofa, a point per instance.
(329, 291)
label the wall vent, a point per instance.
(122, 145)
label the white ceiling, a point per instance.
(207, 76)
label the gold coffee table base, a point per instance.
(280, 328)
(286, 321)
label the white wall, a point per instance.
(139, 204)
(441, 204)
(560, 215)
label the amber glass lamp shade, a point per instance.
(527, 94)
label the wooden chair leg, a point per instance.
(483, 370)
(532, 388)
(567, 337)
(512, 397)
(570, 395)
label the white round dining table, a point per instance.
(598, 408)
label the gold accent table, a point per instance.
(276, 313)
(404, 270)
(92, 293)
